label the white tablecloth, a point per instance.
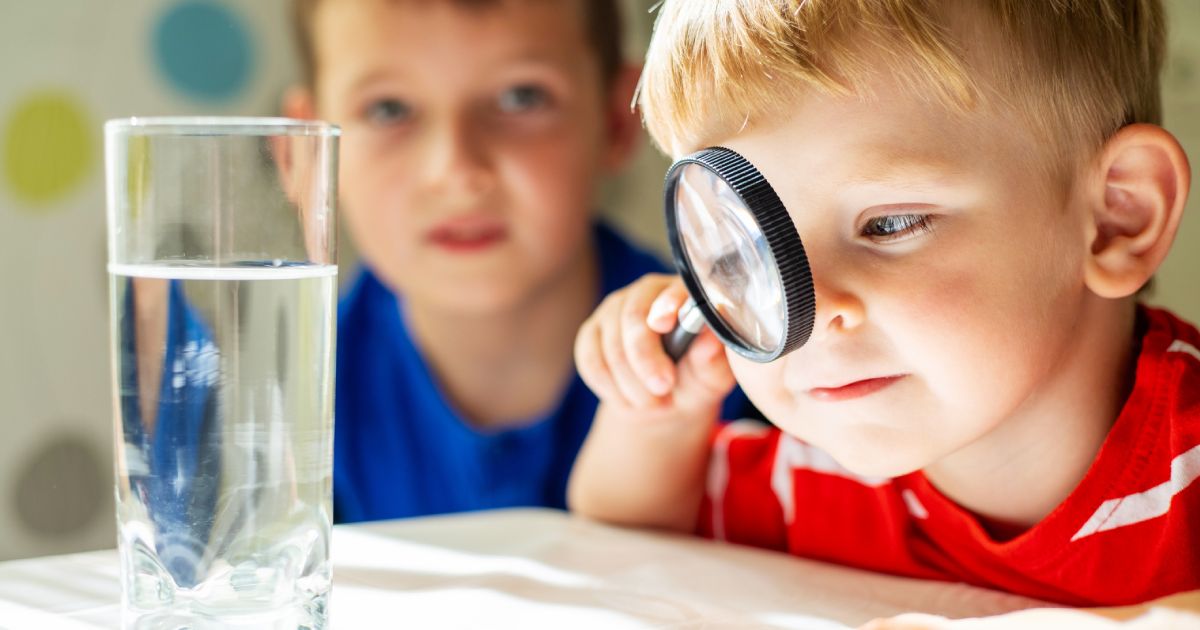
(532, 569)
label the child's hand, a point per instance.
(645, 458)
(619, 351)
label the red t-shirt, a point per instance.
(1128, 533)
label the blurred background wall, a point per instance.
(65, 67)
(68, 65)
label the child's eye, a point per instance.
(522, 98)
(894, 227)
(388, 111)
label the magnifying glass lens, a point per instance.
(739, 255)
(730, 258)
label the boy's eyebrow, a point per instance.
(535, 59)
(369, 77)
(888, 166)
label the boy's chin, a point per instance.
(882, 461)
(479, 300)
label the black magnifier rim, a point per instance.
(780, 233)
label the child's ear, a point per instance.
(298, 102)
(1140, 187)
(624, 127)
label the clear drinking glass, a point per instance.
(222, 287)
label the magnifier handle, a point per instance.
(691, 320)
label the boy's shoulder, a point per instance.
(363, 295)
(1185, 335)
(621, 260)
(1160, 421)
(369, 324)
(1163, 321)
(1165, 402)
(1168, 369)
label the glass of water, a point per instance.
(222, 287)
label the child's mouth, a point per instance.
(467, 235)
(851, 391)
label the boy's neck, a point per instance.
(502, 368)
(1046, 447)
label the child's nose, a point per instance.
(457, 162)
(838, 308)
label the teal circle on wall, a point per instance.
(204, 50)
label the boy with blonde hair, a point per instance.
(982, 189)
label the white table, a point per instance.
(532, 569)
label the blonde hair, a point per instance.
(1075, 69)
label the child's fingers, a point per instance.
(612, 342)
(589, 361)
(643, 346)
(705, 371)
(665, 308)
(620, 355)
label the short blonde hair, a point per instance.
(1077, 70)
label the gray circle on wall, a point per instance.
(60, 488)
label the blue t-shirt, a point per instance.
(401, 449)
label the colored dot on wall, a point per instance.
(61, 489)
(47, 147)
(203, 49)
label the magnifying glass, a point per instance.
(740, 257)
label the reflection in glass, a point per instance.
(168, 370)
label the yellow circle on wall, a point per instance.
(47, 147)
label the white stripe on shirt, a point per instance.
(718, 469)
(1146, 505)
(1180, 345)
(791, 455)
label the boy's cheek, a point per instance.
(569, 157)
(762, 384)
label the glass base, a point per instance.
(312, 615)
